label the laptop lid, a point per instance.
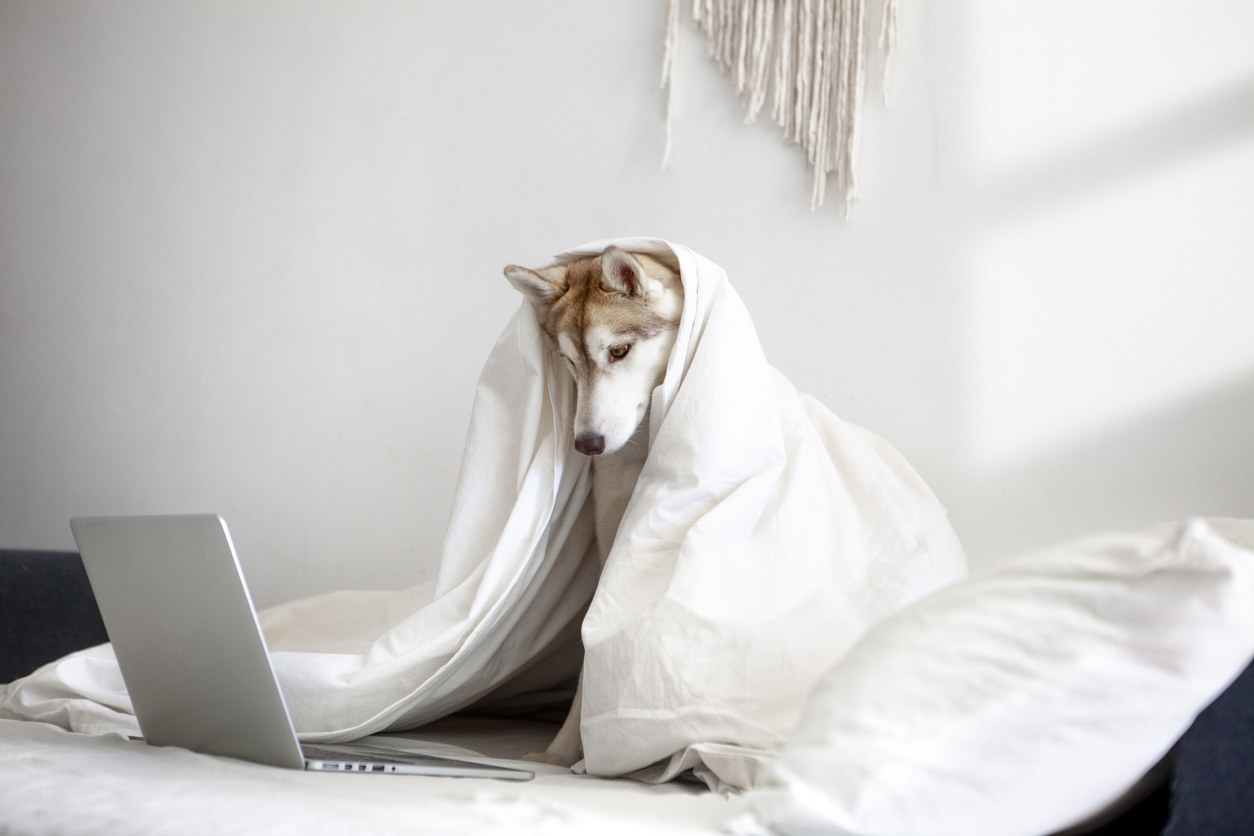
(186, 636)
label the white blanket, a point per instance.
(764, 537)
(53, 783)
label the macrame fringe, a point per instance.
(810, 55)
(668, 73)
(888, 42)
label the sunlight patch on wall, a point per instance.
(1109, 163)
(1046, 76)
(1110, 305)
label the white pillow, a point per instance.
(1027, 697)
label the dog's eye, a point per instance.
(618, 352)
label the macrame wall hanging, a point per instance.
(809, 55)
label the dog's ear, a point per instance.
(622, 273)
(543, 287)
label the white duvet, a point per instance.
(764, 537)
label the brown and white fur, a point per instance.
(613, 318)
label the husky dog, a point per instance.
(613, 318)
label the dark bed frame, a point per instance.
(47, 610)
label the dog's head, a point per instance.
(613, 317)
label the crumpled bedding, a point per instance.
(764, 537)
(55, 783)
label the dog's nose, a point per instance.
(590, 444)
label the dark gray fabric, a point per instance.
(1212, 793)
(46, 610)
(1146, 818)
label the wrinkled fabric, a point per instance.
(1029, 697)
(57, 784)
(764, 537)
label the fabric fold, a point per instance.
(763, 538)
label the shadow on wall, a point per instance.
(1195, 458)
(1220, 119)
(1083, 293)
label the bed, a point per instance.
(56, 782)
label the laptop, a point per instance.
(195, 662)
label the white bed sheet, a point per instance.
(56, 782)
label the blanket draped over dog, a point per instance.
(763, 538)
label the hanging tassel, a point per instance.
(809, 55)
(668, 73)
(888, 42)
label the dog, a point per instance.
(613, 318)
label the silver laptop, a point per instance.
(194, 659)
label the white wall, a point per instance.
(250, 255)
